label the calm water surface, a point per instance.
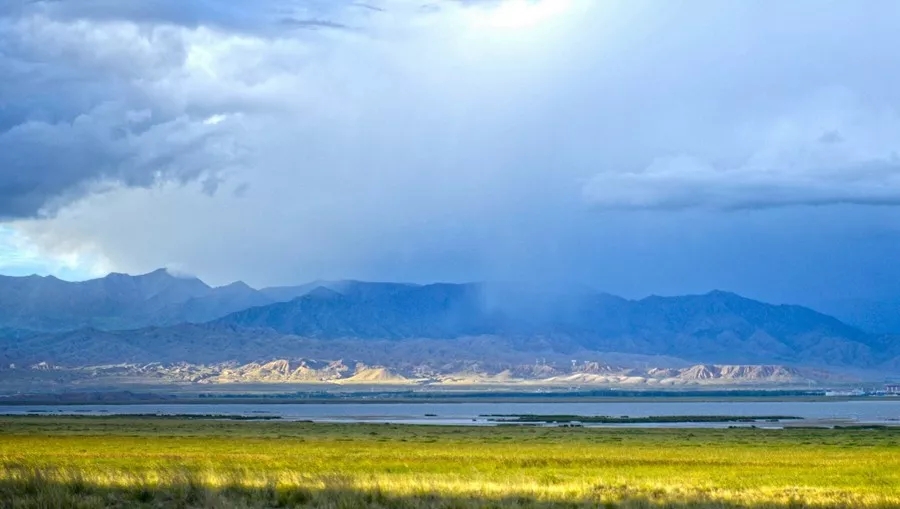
(861, 411)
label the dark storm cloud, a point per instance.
(75, 73)
(73, 116)
(42, 164)
(259, 16)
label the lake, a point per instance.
(869, 411)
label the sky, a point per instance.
(638, 147)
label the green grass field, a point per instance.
(125, 462)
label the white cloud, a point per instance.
(834, 149)
(20, 256)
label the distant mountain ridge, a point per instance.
(714, 327)
(117, 301)
(147, 318)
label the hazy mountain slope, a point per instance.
(465, 358)
(216, 303)
(288, 293)
(181, 343)
(715, 327)
(118, 301)
(221, 355)
(10, 333)
(115, 301)
(875, 316)
(205, 344)
(722, 323)
(372, 310)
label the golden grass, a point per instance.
(97, 462)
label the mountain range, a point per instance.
(117, 301)
(437, 328)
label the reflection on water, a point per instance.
(468, 414)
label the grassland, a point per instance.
(122, 462)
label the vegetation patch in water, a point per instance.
(602, 419)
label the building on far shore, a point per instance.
(854, 392)
(892, 389)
